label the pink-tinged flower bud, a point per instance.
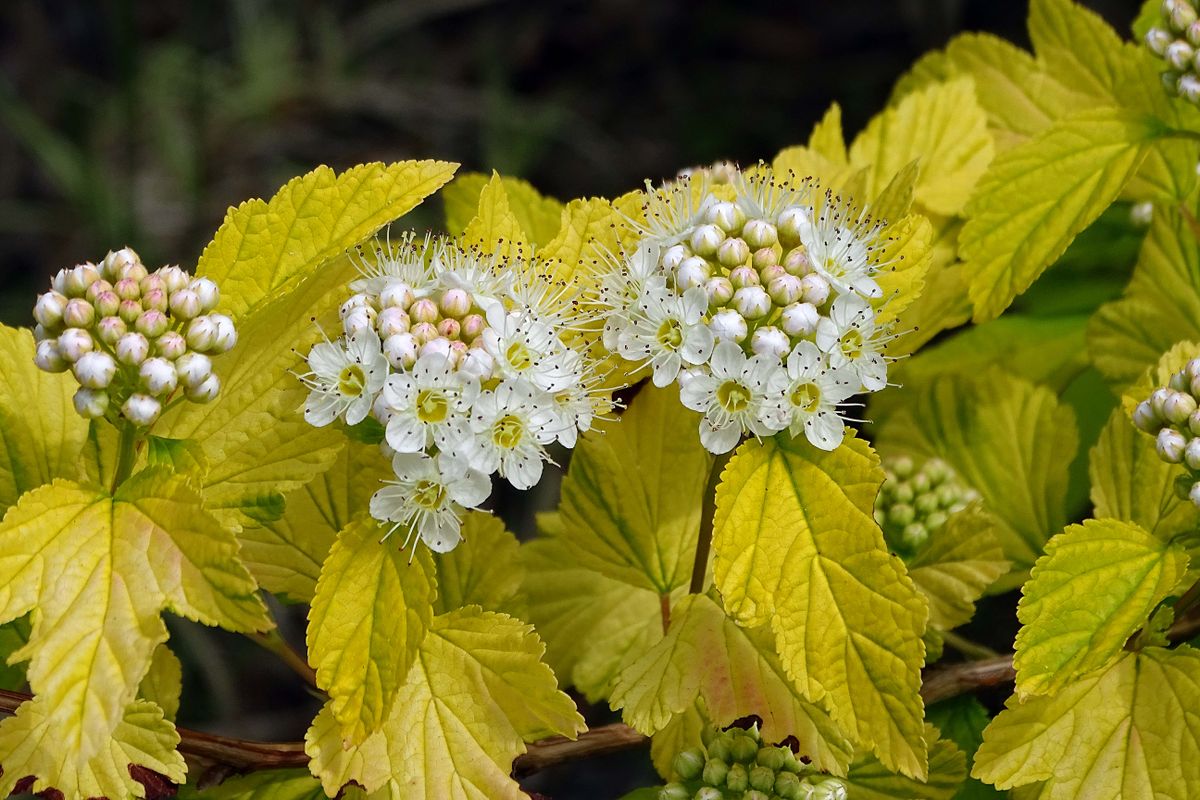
(110, 330)
(692, 271)
(355, 302)
(185, 304)
(1179, 13)
(1145, 420)
(440, 346)
(206, 391)
(673, 256)
(173, 278)
(201, 333)
(129, 311)
(127, 289)
(1178, 406)
(816, 289)
(391, 321)
(152, 324)
(192, 369)
(116, 261)
(155, 300)
(107, 304)
(458, 351)
(95, 370)
(1179, 55)
(786, 289)
(1158, 40)
(226, 334)
(49, 309)
(134, 272)
(752, 302)
(472, 326)
(141, 409)
(449, 328)
(759, 233)
(158, 376)
(770, 341)
(719, 291)
(40, 333)
(74, 343)
(1170, 445)
(401, 350)
(424, 310)
(171, 345)
(396, 294)
(706, 239)
(477, 363)
(132, 349)
(797, 263)
(733, 253)
(79, 278)
(791, 224)
(1192, 33)
(207, 292)
(424, 332)
(726, 216)
(47, 357)
(90, 403)
(765, 257)
(770, 273)
(359, 319)
(729, 324)
(1189, 86)
(59, 282)
(455, 303)
(743, 277)
(96, 289)
(152, 283)
(800, 320)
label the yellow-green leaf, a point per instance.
(589, 227)
(1036, 197)
(941, 125)
(262, 245)
(285, 555)
(13, 636)
(100, 570)
(870, 780)
(630, 504)
(962, 559)
(538, 216)
(476, 693)
(1077, 46)
(735, 672)
(827, 138)
(1008, 439)
(484, 570)
(41, 436)
(164, 682)
(795, 543)
(494, 228)
(267, 784)
(1095, 586)
(1129, 732)
(369, 615)
(906, 246)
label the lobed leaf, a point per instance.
(484, 570)
(961, 561)
(494, 228)
(868, 779)
(539, 217)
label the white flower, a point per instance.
(427, 496)
(511, 425)
(840, 248)
(344, 380)
(623, 283)
(813, 394)
(740, 395)
(405, 263)
(524, 346)
(848, 336)
(668, 331)
(426, 406)
(673, 211)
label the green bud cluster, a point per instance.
(1171, 414)
(915, 501)
(1176, 41)
(132, 338)
(737, 765)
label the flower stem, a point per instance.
(271, 640)
(126, 454)
(707, 512)
(972, 650)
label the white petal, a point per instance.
(697, 344)
(719, 440)
(873, 370)
(442, 532)
(405, 434)
(666, 367)
(321, 409)
(727, 359)
(358, 409)
(697, 392)
(327, 359)
(471, 489)
(825, 430)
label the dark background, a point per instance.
(139, 123)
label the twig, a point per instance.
(942, 683)
(597, 741)
(664, 607)
(708, 510)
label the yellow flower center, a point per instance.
(733, 397)
(352, 381)
(429, 495)
(432, 406)
(670, 334)
(508, 431)
(519, 356)
(806, 397)
(852, 343)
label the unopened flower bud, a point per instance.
(708, 793)
(800, 319)
(692, 271)
(96, 289)
(141, 409)
(672, 256)
(204, 392)
(769, 340)
(201, 333)
(79, 313)
(1179, 55)
(134, 272)
(714, 772)
(192, 369)
(1170, 445)
(424, 310)
(449, 328)
(689, 763)
(726, 216)
(152, 283)
(458, 351)
(132, 349)
(914, 535)
(733, 253)
(472, 326)
(706, 239)
(356, 301)
(719, 291)
(107, 304)
(766, 257)
(901, 514)
(48, 358)
(129, 311)
(1191, 454)
(786, 289)
(1192, 33)
(439, 345)
(1193, 424)
(74, 343)
(79, 278)
(396, 294)
(759, 233)
(359, 319)
(816, 289)
(424, 332)
(729, 324)
(207, 293)
(174, 278)
(1158, 40)
(797, 263)
(738, 779)
(158, 376)
(226, 334)
(752, 302)
(762, 778)
(828, 788)
(185, 304)
(1189, 86)
(49, 309)
(58, 282)
(790, 223)
(743, 277)
(477, 363)
(118, 260)
(455, 303)
(391, 321)
(1178, 407)
(401, 350)
(127, 289)
(90, 403)
(769, 273)
(171, 345)
(1157, 398)
(1141, 214)
(155, 300)
(95, 370)
(1179, 13)
(152, 324)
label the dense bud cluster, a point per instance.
(1172, 417)
(132, 338)
(1176, 40)
(736, 765)
(762, 305)
(915, 501)
(465, 360)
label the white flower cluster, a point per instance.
(1176, 40)
(465, 360)
(1172, 416)
(761, 306)
(131, 337)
